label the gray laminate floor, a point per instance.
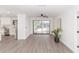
(33, 44)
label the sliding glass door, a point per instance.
(37, 27)
(45, 26)
(41, 27)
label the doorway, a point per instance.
(41, 26)
(8, 28)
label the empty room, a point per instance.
(39, 28)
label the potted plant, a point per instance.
(57, 33)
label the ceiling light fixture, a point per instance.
(42, 15)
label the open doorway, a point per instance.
(41, 27)
(8, 28)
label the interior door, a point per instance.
(78, 32)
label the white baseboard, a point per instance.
(67, 46)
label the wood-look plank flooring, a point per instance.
(33, 44)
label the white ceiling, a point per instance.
(34, 10)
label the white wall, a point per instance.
(56, 22)
(23, 26)
(28, 26)
(69, 29)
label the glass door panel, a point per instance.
(37, 27)
(41, 26)
(45, 26)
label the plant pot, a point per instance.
(56, 39)
(7, 35)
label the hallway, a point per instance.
(33, 44)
